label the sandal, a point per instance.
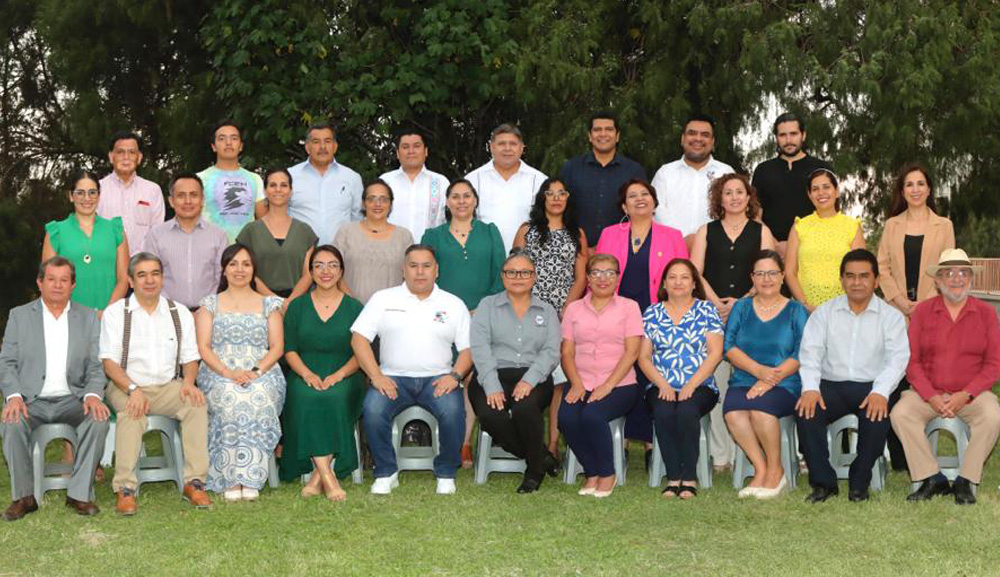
(671, 491)
(467, 461)
(691, 489)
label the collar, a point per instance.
(65, 313)
(172, 223)
(589, 303)
(842, 303)
(331, 168)
(504, 300)
(938, 306)
(520, 167)
(121, 183)
(591, 158)
(133, 304)
(435, 291)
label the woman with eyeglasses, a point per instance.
(601, 337)
(762, 343)
(96, 246)
(373, 247)
(818, 242)
(470, 255)
(515, 345)
(325, 389)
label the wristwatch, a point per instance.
(256, 370)
(132, 387)
(457, 376)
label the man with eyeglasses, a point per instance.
(853, 353)
(126, 194)
(954, 361)
(595, 177)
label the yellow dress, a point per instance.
(823, 242)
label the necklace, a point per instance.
(766, 309)
(460, 233)
(735, 228)
(373, 229)
(86, 256)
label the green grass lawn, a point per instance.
(490, 530)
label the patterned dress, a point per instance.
(678, 350)
(555, 265)
(243, 426)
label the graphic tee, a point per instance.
(230, 196)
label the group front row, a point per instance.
(847, 357)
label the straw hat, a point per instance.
(953, 258)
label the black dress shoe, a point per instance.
(551, 465)
(20, 508)
(529, 485)
(857, 496)
(963, 492)
(649, 459)
(85, 508)
(930, 487)
(820, 494)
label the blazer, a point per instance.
(666, 244)
(940, 235)
(22, 355)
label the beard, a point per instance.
(955, 298)
(781, 151)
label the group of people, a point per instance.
(313, 301)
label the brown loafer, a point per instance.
(126, 504)
(20, 508)
(86, 508)
(194, 493)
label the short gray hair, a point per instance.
(141, 257)
(57, 261)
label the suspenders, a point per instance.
(127, 334)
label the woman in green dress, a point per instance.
(96, 246)
(325, 388)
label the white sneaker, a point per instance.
(250, 494)
(446, 487)
(385, 485)
(232, 495)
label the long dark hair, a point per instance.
(538, 220)
(699, 289)
(227, 256)
(898, 204)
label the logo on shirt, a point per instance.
(441, 317)
(539, 320)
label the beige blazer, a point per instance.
(940, 235)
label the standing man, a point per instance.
(150, 355)
(506, 184)
(326, 194)
(595, 177)
(126, 194)
(682, 185)
(234, 196)
(954, 361)
(189, 247)
(417, 324)
(781, 182)
(50, 373)
(418, 194)
(853, 353)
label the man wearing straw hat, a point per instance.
(954, 361)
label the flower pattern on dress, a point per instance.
(678, 350)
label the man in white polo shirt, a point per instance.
(506, 185)
(417, 324)
(418, 194)
(682, 185)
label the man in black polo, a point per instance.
(594, 178)
(781, 181)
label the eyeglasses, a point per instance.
(770, 274)
(80, 193)
(599, 274)
(949, 273)
(378, 199)
(318, 266)
(523, 273)
(556, 194)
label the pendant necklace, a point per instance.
(766, 309)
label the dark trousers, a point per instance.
(519, 428)
(585, 426)
(678, 429)
(841, 398)
(896, 455)
(638, 421)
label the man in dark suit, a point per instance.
(50, 373)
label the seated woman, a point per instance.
(240, 342)
(762, 343)
(515, 346)
(325, 389)
(682, 348)
(601, 337)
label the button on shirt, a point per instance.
(326, 201)
(152, 350)
(418, 204)
(839, 345)
(506, 203)
(683, 193)
(56, 331)
(191, 260)
(501, 340)
(600, 337)
(595, 190)
(139, 203)
(415, 335)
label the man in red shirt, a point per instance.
(954, 361)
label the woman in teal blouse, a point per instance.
(470, 255)
(96, 246)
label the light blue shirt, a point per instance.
(325, 202)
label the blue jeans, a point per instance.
(449, 410)
(585, 426)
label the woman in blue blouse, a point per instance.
(762, 343)
(683, 345)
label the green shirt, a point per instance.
(95, 280)
(280, 265)
(473, 271)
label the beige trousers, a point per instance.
(163, 400)
(911, 414)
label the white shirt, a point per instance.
(418, 204)
(506, 203)
(56, 331)
(152, 349)
(415, 335)
(838, 345)
(683, 193)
